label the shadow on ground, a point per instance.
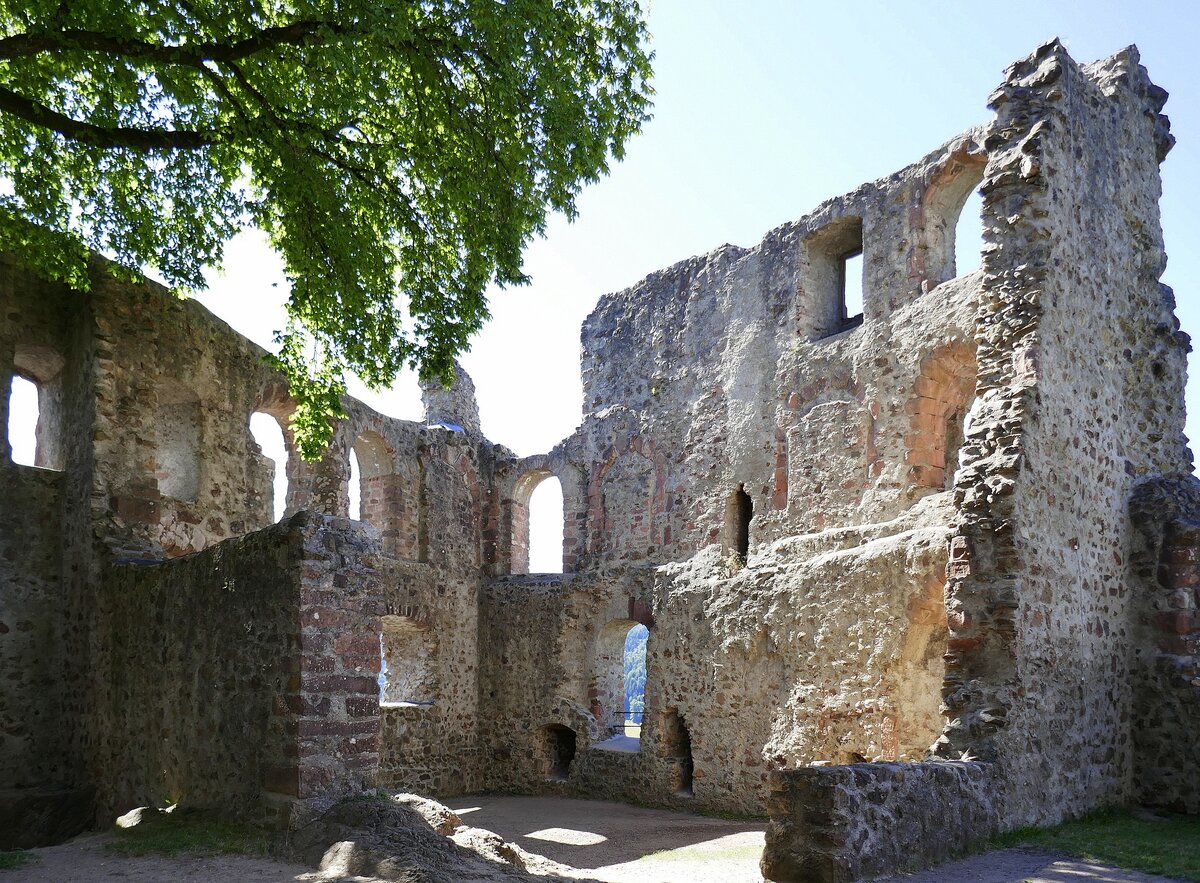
(591, 834)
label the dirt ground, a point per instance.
(606, 841)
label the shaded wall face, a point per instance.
(195, 709)
(38, 689)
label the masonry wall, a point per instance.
(195, 659)
(1166, 560)
(822, 641)
(1046, 598)
(40, 340)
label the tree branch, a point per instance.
(24, 45)
(105, 136)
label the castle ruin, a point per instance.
(910, 577)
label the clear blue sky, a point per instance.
(764, 109)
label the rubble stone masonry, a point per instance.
(911, 577)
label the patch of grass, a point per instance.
(17, 858)
(1168, 846)
(184, 833)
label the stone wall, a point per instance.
(1166, 560)
(30, 598)
(852, 537)
(839, 824)
(1040, 593)
(44, 531)
(771, 665)
(194, 674)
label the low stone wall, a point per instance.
(835, 824)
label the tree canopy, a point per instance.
(399, 154)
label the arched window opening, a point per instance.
(968, 235)
(268, 435)
(618, 683)
(407, 650)
(678, 747)
(23, 420)
(178, 430)
(951, 241)
(546, 524)
(35, 407)
(739, 510)
(355, 487)
(635, 680)
(942, 397)
(557, 749)
(372, 485)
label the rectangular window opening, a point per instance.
(852, 288)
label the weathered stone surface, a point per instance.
(392, 839)
(957, 526)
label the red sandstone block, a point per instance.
(359, 745)
(362, 706)
(314, 781)
(365, 664)
(322, 617)
(282, 779)
(308, 729)
(1181, 554)
(342, 684)
(1176, 622)
(927, 476)
(1183, 576)
(354, 643)
(317, 664)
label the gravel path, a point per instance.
(605, 841)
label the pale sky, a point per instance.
(763, 110)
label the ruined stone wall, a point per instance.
(192, 674)
(765, 667)
(1042, 621)
(731, 386)
(840, 824)
(726, 371)
(40, 523)
(176, 467)
(31, 695)
(1166, 560)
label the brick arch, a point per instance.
(941, 398)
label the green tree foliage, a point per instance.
(399, 153)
